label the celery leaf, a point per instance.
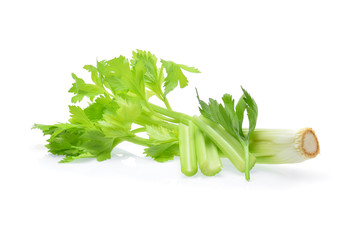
(175, 75)
(163, 152)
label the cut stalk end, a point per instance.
(277, 146)
(307, 142)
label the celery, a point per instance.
(120, 110)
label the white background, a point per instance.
(290, 55)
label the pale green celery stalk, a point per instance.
(144, 120)
(213, 165)
(229, 138)
(207, 154)
(278, 146)
(167, 104)
(137, 140)
(200, 147)
(231, 149)
(247, 161)
(240, 146)
(181, 117)
(187, 154)
(221, 131)
(191, 131)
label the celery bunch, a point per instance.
(119, 99)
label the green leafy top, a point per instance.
(175, 75)
(118, 75)
(229, 117)
(118, 97)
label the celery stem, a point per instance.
(167, 104)
(247, 167)
(137, 140)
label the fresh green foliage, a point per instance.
(159, 134)
(228, 117)
(82, 89)
(163, 152)
(118, 98)
(175, 75)
(153, 76)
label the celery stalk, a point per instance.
(278, 146)
(187, 154)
